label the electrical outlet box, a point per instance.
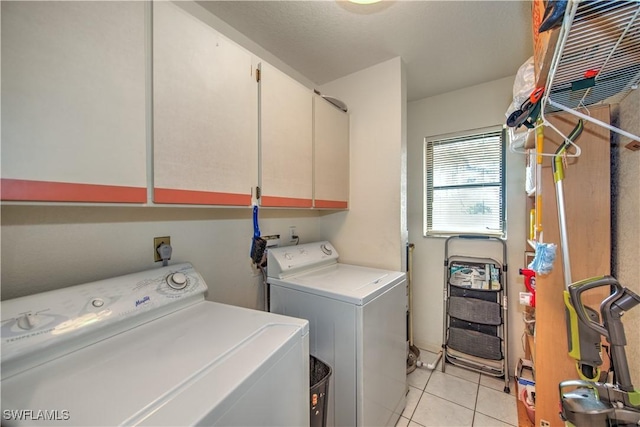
(272, 240)
(157, 242)
(293, 235)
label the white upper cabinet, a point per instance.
(87, 96)
(285, 140)
(331, 155)
(205, 113)
(73, 102)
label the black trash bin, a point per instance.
(319, 373)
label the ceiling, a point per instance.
(445, 45)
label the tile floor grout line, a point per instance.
(490, 416)
(420, 398)
(475, 411)
(447, 400)
(428, 379)
(475, 405)
(465, 379)
(478, 383)
(416, 407)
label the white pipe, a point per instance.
(410, 289)
(430, 366)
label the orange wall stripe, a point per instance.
(191, 197)
(47, 191)
(332, 204)
(284, 202)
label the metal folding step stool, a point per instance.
(474, 333)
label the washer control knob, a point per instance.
(327, 250)
(28, 321)
(177, 280)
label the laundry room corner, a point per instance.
(371, 232)
(320, 213)
(483, 105)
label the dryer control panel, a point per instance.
(286, 261)
(40, 327)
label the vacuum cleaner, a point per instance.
(584, 343)
(587, 402)
(614, 403)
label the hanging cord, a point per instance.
(410, 247)
(267, 306)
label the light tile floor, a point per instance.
(456, 398)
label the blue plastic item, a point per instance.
(543, 259)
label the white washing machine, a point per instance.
(147, 349)
(357, 325)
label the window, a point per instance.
(464, 184)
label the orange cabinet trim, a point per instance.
(192, 197)
(48, 191)
(284, 202)
(331, 204)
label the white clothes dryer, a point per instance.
(357, 325)
(147, 349)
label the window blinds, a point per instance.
(465, 185)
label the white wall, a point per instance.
(627, 215)
(371, 232)
(49, 247)
(471, 108)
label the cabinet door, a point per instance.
(285, 140)
(330, 155)
(205, 118)
(73, 102)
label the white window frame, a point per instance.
(428, 191)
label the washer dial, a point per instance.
(177, 281)
(28, 321)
